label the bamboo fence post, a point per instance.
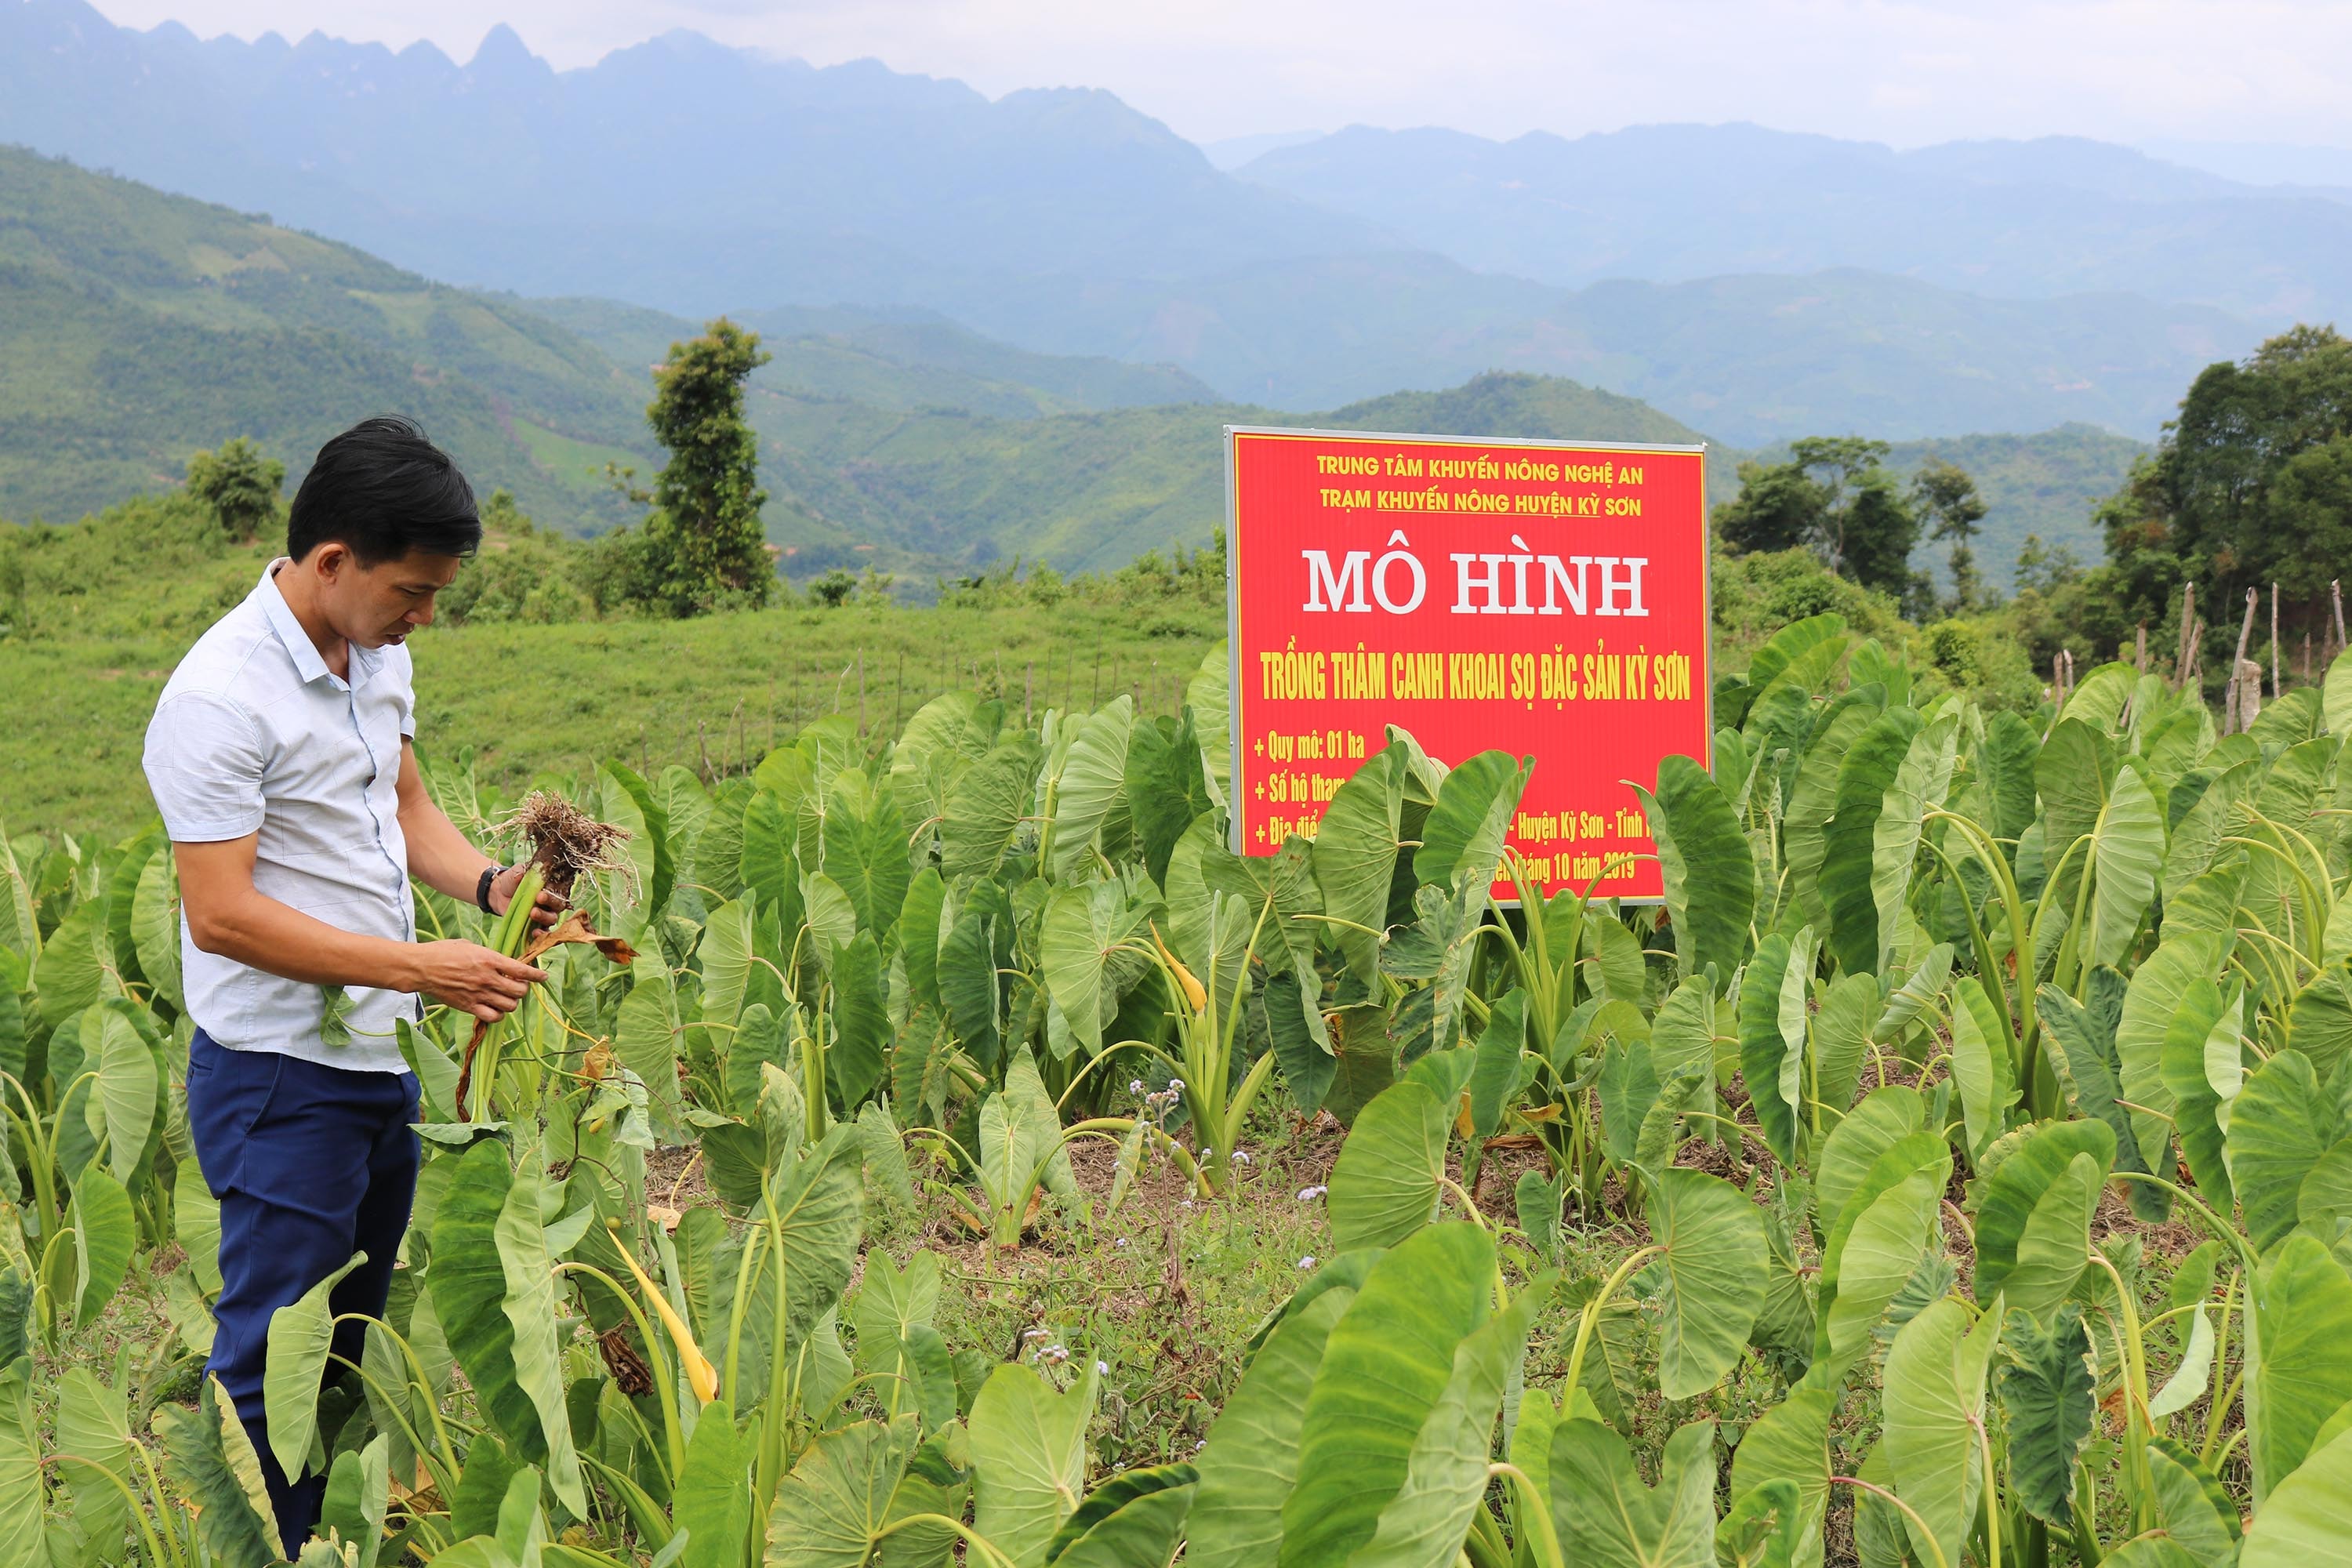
(2140, 650)
(2336, 592)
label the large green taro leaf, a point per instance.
(2307, 1519)
(2048, 1396)
(300, 1334)
(1385, 1366)
(1922, 783)
(1790, 1443)
(1933, 1408)
(1714, 1268)
(1446, 1471)
(1029, 1459)
(1709, 869)
(467, 1282)
(1386, 1182)
(1863, 779)
(1131, 1521)
(1464, 830)
(2279, 1126)
(1608, 1518)
(1355, 857)
(2039, 1172)
(207, 1452)
(2303, 1319)
(2150, 1004)
(1251, 1460)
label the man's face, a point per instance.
(373, 606)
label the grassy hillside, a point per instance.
(110, 604)
(947, 489)
(136, 327)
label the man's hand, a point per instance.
(546, 912)
(474, 979)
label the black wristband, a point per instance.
(482, 888)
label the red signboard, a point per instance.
(1548, 599)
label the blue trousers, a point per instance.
(310, 1164)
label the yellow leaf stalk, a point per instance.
(1194, 992)
(699, 1374)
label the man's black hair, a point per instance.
(382, 490)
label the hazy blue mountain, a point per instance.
(1754, 358)
(1232, 152)
(2053, 217)
(687, 178)
(2263, 163)
(907, 359)
(676, 174)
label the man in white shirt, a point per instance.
(280, 758)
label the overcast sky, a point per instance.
(1909, 73)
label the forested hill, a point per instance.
(136, 327)
(943, 489)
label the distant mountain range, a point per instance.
(1757, 285)
(136, 327)
(2034, 219)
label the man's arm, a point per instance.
(227, 915)
(444, 859)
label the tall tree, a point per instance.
(237, 485)
(1945, 498)
(702, 544)
(2251, 485)
(1835, 497)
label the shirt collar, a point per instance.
(308, 664)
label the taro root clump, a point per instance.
(566, 841)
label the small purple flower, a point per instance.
(1309, 1195)
(1308, 1261)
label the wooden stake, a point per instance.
(2276, 690)
(2306, 657)
(2245, 636)
(2140, 650)
(2248, 690)
(2336, 592)
(2181, 660)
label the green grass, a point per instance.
(111, 604)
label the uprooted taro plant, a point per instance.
(1957, 1169)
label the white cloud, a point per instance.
(1905, 71)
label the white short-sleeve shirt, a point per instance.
(255, 735)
